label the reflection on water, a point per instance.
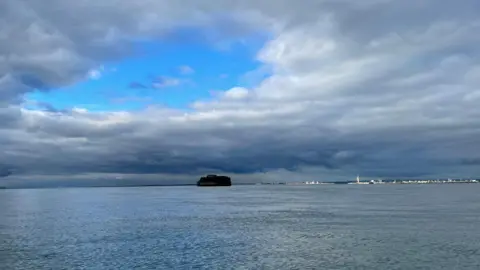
(242, 227)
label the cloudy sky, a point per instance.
(153, 90)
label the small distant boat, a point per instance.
(213, 180)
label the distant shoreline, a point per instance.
(112, 186)
(400, 182)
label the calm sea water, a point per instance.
(242, 227)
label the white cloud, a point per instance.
(162, 82)
(186, 70)
(236, 93)
(94, 74)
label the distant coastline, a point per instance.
(384, 182)
(113, 186)
(289, 183)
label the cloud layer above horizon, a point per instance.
(380, 88)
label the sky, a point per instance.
(166, 91)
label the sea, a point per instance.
(242, 227)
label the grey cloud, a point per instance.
(377, 88)
(5, 171)
(470, 161)
(224, 149)
(10, 118)
(137, 85)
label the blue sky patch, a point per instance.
(172, 74)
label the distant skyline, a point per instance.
(166, 91)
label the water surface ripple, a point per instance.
(242, 227)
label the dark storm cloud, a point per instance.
(380, 88)
(224, 149)
(5, 170)
(470, 161)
